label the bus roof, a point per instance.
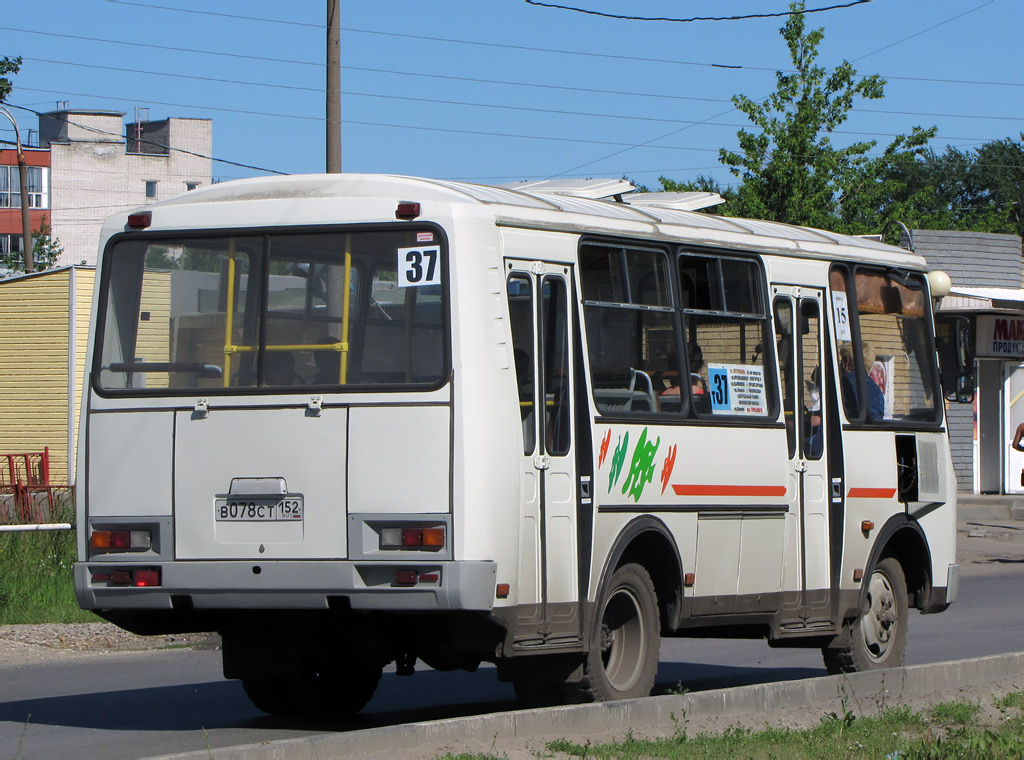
(540, 210)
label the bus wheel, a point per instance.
(539, 692)
(331, 694)
(623, 659)
(878, 637)
(272, 695)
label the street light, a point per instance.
(26, 223)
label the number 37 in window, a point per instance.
(419, 266)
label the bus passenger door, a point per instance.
(541, 318)
(798, 327)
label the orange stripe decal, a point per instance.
(871, 493)
(696, 489)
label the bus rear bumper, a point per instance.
(286, 585)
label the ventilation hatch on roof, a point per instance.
(595, 189)
(691, 201)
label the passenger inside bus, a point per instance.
(815, 440)
(328, 363)
(876, 399)
(279, 368)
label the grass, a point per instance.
(35, 576)
(946, 730)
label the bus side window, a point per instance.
(632, 330)
(727, 328)
(786, 357)
(521, 314)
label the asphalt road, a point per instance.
(150, 703)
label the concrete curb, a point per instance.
(635, 713)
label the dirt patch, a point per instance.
(47, 641)
(988, 547)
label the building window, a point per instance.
(10, 187)
(10, 244)
(191, 186)
(151, 188)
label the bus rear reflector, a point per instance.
(406, 578)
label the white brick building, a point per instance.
(96, 172)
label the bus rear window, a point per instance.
(322, 309)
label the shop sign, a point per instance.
(1000, 335)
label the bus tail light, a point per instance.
(121, 540)
(412, 538)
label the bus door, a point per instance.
(798, 326)
(1013, 416)
(539, 306)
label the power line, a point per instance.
(923, 31)
(161, 47)
(436, 101)
(566, 88)
(677, 131)
(221, 15)
(148, 142)
(420, 127)
(589, 12)
(478, 43)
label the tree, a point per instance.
(46, 250)
(790, 171)
(7, 66)
(980, 190)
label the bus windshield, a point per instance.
(271, 310)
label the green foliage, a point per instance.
(790, 171)
(981, 190)
(7, 66)
(46, 249)
(957, 713)
(36, 584)
(1013, 700)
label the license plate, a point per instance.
(250, 509)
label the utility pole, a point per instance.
(333, 87)
(26, 222)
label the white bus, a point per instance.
(353, 420)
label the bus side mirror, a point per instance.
(956, 358)
(965, 389)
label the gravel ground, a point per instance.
(26, 643)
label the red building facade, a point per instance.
(37, 162)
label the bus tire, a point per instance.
(335, 693)
(877, 638)
(623, 659)
(539, 692)
(271, 695)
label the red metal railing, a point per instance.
(27, 497)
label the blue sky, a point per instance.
(500, 90)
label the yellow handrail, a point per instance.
(343, 370)
(342, 346)
(228, 321)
